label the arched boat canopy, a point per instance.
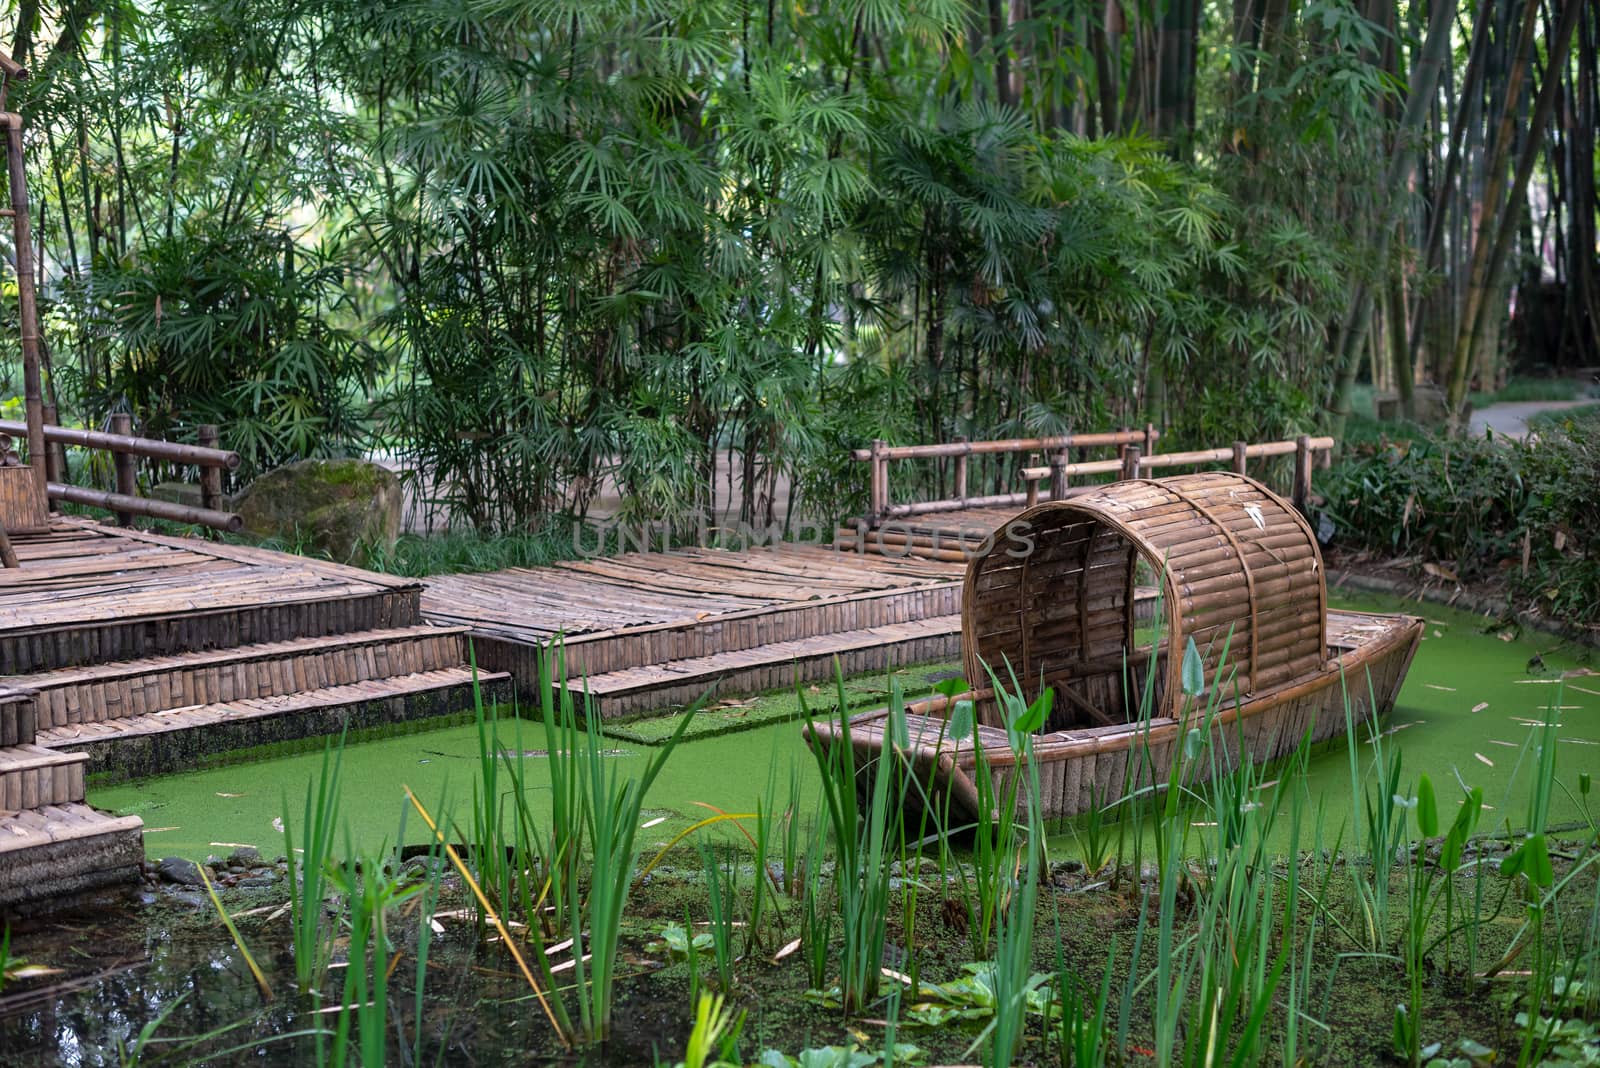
(1053, 598)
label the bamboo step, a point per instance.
(55, 852)
(31, 776)
(659, 687)
(178, 738)
(16, 716)
(129, 688)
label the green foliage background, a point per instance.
(542, 248)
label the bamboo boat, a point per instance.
(1053, 601)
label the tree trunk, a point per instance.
(1495, 234)
(1397, 179)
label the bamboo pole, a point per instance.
(1130, 462)
(1493, 202)
(123, 503)
(154, 448)
(55, 457)
(27, 301)
(210, 475)
(125, 465)
(1302, 471)
(972, 448)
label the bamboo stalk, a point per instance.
(27, 301)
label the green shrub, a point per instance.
(1485, 507)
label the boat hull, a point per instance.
(1080, 770)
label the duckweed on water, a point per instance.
(1468, 704)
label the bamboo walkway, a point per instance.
(644, 632)
(612, 594)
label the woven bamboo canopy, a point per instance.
(1053, 600)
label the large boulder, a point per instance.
(341, 508)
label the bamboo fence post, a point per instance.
(1241, 461)
(1150, 437)
(1058, 475)
(55, 454)
(125, 465)
(1302, 471)
(27, 303)
(961, 473)
(879, 484)
(210, 476)
(1130, 462)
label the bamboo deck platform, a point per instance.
(585, 597)
(646, 631)
(127, 653)
(88, 593)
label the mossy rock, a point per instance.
(339, 508)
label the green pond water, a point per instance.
(1465, 715)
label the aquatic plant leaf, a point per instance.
(1194, 671)
(1032, 718)
(951, 687)
(1427, 808)
(961, 721)
(1192, 743)
(1538, 868)
(897, 715)
(676, 943)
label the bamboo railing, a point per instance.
(880, 453)
(1136, 457)
(125, 448)
(46, 441)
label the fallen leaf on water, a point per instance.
(789, 948)
(1480, 706)
(277, 824)
(1446, 689)
(568, 965)
(1485, 759)
(221, 794)
(647, 824)
(32, 971)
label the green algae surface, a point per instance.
(1468, 708)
